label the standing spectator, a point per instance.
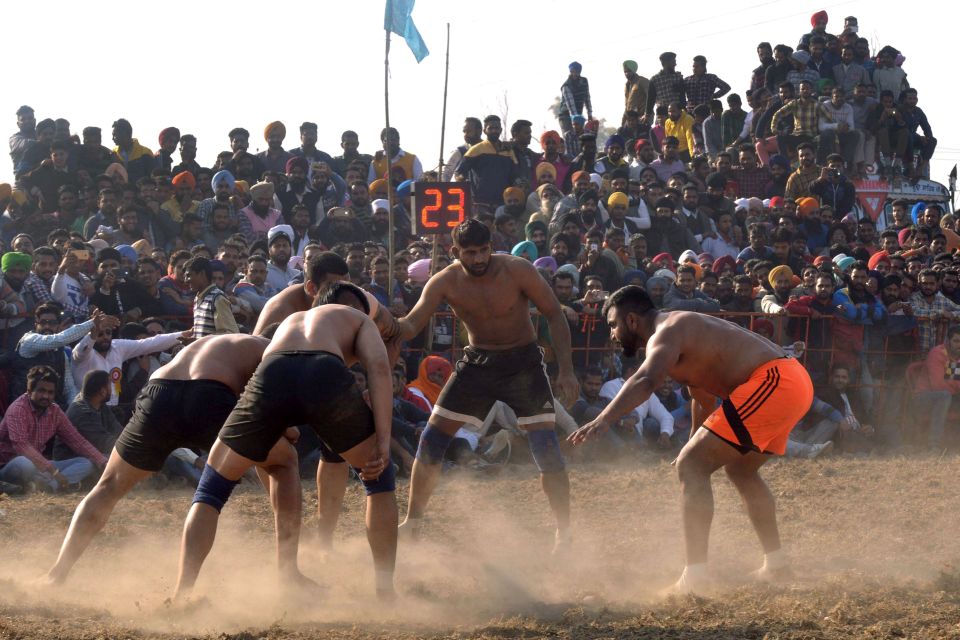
(733, 120)
(574, 97)
(848, 74)
(930, 307)
(136, 158)
(939, 383)
(274, 158)
(308, 149)
(888, 76)
(472, 130)
(636, 88)
(351, 156)
(666, 86)
(702, 87)
(98, 350)
(168, 140)
(679, 125)
(758, 78)
(25, 136)
(405, 165)
(920, 145)
(713, 130)
(188, 156)
(490, 166)
(211, 311)
(29, 424)
(91, 416)
(280, 249)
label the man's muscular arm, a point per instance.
(414, 322)
(537, 290)
(661, 355)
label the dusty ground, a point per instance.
(872, 541)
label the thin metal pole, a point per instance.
(386, 108)
(443, 120)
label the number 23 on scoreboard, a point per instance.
(440, 206)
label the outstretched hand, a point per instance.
(589, 431)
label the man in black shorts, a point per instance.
(304, 379)
(491, 295)
(184, 404)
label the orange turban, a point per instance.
(274, 127)
(184, 177)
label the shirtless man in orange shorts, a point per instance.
(764, 394)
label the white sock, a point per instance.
(384, 580)
(775, 560)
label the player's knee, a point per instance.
(385, 483)
(545, 449)
(213, 488)
(433, 445)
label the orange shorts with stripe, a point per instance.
(760, 414)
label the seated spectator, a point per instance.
(29, 424)
(939, 383)
(91, 416)
(653, 422)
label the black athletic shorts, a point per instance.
(170, 414)
(517, 377)
(291, 388)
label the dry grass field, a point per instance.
(872, 541)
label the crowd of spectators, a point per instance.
(113, 256)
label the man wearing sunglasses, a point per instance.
(45, 346)
(99, 351)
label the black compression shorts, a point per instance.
(170, 414)
(517, 377)
(292, 388)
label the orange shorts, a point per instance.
(760, 414)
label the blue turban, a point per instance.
(127, 252)
(223, 176)
(615, 139)
(575, 66)
(630, 274)
(917, 210)
(404, 188)
(525, 246)
(578, 118)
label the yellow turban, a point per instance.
(378, 186)
(806, 206)
(515, 192)
(274, 127)
(546, 166)
(778, 271)
(618, 197)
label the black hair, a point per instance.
(199, 264)
(332, 293)
(324, 263)
(631, 299)
(39, 374)
(471, 233)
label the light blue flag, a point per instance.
(398, 19)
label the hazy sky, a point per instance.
(207, 67)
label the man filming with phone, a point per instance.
(833, 188)
(71, 287)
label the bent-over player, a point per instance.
(764, 394)
(184, 404)
(322, 271)
(491, 295)
(304, 378)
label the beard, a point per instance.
(630, 347)
(477, 270)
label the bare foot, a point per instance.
(300, 584)
(690, 583)
(410, 529)
(772, 576)
(562, 543)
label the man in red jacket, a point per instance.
(939, 383)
